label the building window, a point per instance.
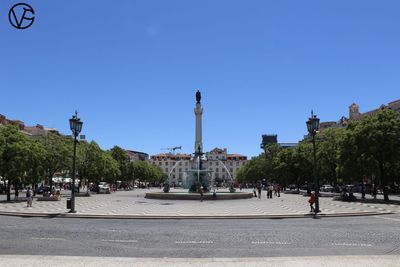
(166, 163)
(237, 163)
(159, 163)
(186, 169)
(222, 169)
(231, 170)
(216, 170)
(180, 169)
(216, 163)
(180, 163)
(186, 163)
(230, 163)
(210, 163)
(166, 170)
(173, 176)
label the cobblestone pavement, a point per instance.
(134, 203)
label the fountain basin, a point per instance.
(196, 196)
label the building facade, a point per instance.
(32, 131)
(355, 114)
(268, 139)
(136, 155)
(173, 165)
(223, 166)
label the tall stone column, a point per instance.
(198, 111)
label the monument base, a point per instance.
(196, 196)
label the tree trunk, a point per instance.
(383, 183)
(51, 181)
(8, 190)
(34, 188)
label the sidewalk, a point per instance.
(132, 204)
(321, 261)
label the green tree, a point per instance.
(377, 142)
(110, 168)
(156, 174)
(58, 154)
(253, 171)
(294, 165)
(90, 163)
(328, 154)
(14, 148)
(35, 168)
(140, 170)
(122, 157)
(286, 168)
(354, 164)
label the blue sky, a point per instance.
(131, 68)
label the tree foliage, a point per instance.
(14, 153)
(368, 148)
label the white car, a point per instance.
(326, 188)
(104, 187)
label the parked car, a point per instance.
(103, 187)
(326, 188)
(43, 189)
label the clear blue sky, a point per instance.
(132, 68)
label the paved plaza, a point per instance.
(133, 204)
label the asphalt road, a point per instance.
(372, 235)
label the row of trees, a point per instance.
(367, 150)
(25, 160)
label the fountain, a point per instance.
(226, 169)
(198, 176)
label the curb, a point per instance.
(187, 217)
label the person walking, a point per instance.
(254, 191)
(259, 191)
(16, 193)
(270, 189)
(29, 197)
(374, 192)
(201, 193)
(312, 200)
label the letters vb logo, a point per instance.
(21, 16)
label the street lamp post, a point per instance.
(76, 126)
(312, 127)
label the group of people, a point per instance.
(270, 189)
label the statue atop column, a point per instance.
(198, 96)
